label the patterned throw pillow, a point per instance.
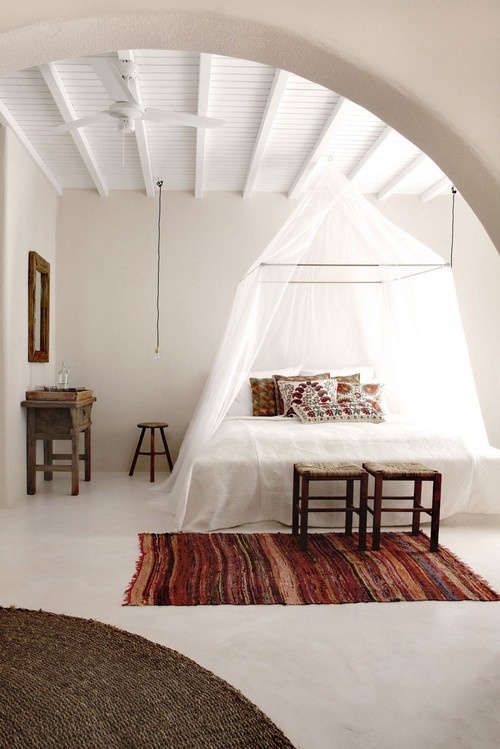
(348, 393)
(308, 393)
(294, 379)
(263, 396)
(360, 411)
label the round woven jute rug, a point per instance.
(71, 683)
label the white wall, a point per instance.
(106, 287)
(29, 212)
(106, 301)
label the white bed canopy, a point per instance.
(341, 287)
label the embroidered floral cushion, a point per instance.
(353, 411)
(263, 396)
(308, 393)
(354, 393)
(294, 379)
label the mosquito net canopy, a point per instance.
(340, 287)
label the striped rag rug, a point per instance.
(190, 569)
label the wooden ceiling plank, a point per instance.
(7, 119)
(392, 185)
(369, 153)
(56, 87)
(317, 151)
(437, 188)
(273, 101)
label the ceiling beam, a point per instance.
(369, 153)
(392, 185)
(61, 99)
(8, 120)
(273, 101)
(326, 134)
(201, 132)
(141, 135)
(437, 188)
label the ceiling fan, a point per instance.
(126, 109)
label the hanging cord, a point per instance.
(453, 193)
(159, 184)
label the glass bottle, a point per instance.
(63, 377)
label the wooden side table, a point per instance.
(50, 420)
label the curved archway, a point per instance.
(264, 42)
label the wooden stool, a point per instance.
(417, 473)
(151, 425)
(329, 472)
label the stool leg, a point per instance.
(295, 503)
(167, 451)
(88, 454)
(304, 512)
(363, 511)
(136, 454)
(417, 500)
(152, 457)
(377, 512)
(436, 509)
(47, 459)
(349, 506)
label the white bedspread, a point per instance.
(245, 475)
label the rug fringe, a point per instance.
(138, 565)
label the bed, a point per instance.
(245, 474)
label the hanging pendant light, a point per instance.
(159, 185)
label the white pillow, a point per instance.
(242, 404)
(366, 373)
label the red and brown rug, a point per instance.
(203, 569)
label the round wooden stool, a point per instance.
(152, 426)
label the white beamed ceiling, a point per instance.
(238, 93)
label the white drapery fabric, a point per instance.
(340, 286)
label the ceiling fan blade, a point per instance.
(111, 79)
(75, 124)
(180, 118)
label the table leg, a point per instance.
(152, 457)
(30, 453)
(75, 457)
(47, 459)
(88, 453)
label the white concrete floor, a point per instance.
(390, 676)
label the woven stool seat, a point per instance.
(400, 470)
(152, 425)
(329, 470)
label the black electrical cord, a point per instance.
(453, 193)
(159, 184)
